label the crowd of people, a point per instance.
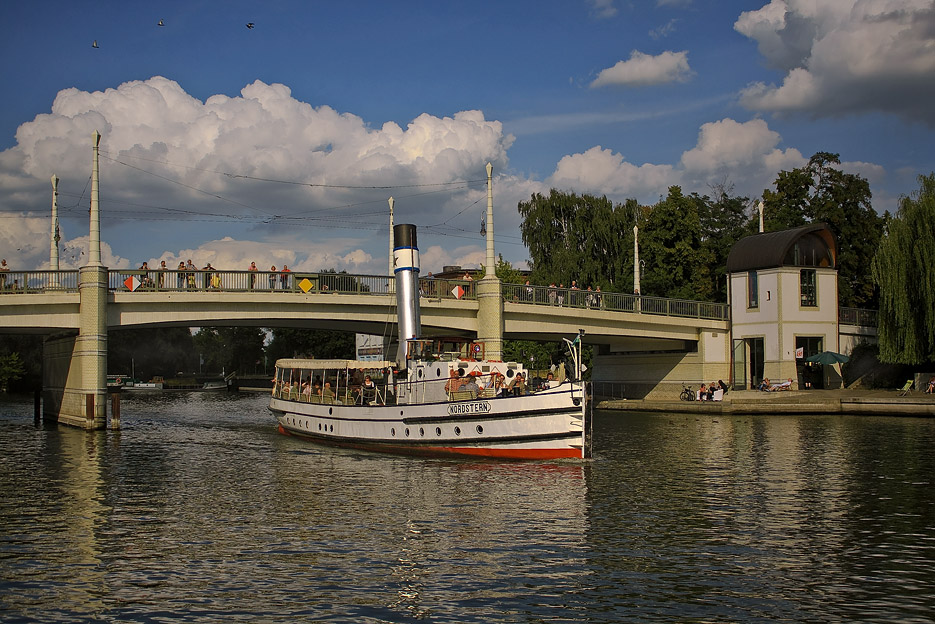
(494, 384)
(187, 276)
(714, 391)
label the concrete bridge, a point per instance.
(48, 302)
(75, 309)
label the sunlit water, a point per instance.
(197, 510)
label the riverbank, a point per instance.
(858, 402)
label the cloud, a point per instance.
(745, 154)
(259, 168)
(644, 70)
(601, 171)
(846, 57)
(603, 9)
(739, 150)
(665, 30)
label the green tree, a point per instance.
(11, 369)
(821, 192)
(584, 238)
(677, 263)
(904, 270)
(724, 220)
(317, 343)
(151, 351)
(230, 349)
(505, 271)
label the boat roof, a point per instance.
(332, 364)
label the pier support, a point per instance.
(74, 368)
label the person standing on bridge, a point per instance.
(191, 269)
(162, 274)
(4, 269)
(253, 275)
(272, 277)
(180, 275)
(284, 277)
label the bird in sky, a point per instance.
(161, 23)
(250, 24)
(94, 45)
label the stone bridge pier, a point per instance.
(74, 367)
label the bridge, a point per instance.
(48, 302)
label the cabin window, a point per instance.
(808, 287)
(753, 290)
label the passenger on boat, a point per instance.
(327, 394)
(471, 385)
(454, 380)
(518, 385)
(367, 391)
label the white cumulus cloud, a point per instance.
(644, 69)
(845, 57)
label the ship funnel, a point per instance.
(406, 268)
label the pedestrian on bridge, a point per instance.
(4, 269)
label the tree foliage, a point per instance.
(316, 343)
(151, 351)
(577, 237)
(11, 369)
(821, 192)
(904, 270)
(230, 349)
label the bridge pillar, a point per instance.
(490, 316)
(75, 367)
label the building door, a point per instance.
(757, 359)
(810, 375)
(749, 356)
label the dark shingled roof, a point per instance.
(771, 250)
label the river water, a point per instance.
(197, 510)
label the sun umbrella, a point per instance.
(828, 357)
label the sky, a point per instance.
(281, 143)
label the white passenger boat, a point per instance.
(439, 398)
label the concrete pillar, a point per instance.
(490, 317)
(91, 344)
(489, 292)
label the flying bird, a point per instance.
(161, 23)
(94, 45)
(250, 25)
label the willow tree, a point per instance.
(904, 270)
(580, 237)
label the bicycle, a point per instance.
(687, 393)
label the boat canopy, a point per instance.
(308, 364)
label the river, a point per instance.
(197, 510)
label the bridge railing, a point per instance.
(620, 302)
(32, 282)
(858, 316)
(246, 281)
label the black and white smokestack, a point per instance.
(406, 268)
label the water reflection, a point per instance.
(198, 510)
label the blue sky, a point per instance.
(281, 143)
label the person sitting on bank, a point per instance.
(786, 385)
(703, 393)
(764, 385)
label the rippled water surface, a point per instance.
(197, 510)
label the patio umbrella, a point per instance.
(828, 357)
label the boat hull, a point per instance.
(546, 425)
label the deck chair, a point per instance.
(906, 389)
